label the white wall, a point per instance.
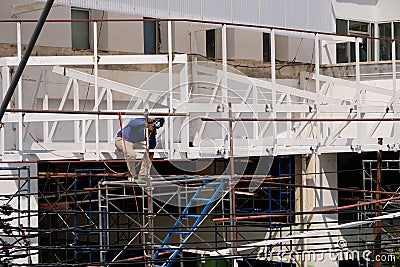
(355, 9)
(248, 45)
(367, 10)
(388, 10)
(125, 36)
(282, 46)
(53, 34)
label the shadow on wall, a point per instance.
(359, 2)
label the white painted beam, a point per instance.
(115, 86)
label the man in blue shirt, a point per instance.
(132, 137)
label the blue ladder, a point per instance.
(199, 218)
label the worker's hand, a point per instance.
(150, 120)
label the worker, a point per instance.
(132, 138)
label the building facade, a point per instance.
(315, 79)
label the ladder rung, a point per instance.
(191, 216)
(179, 233)
(213, 184)
(167, 250)
(201, 199)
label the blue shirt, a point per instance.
(134, 132)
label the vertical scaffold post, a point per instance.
(232, 187)
(146, 157)
(378, 228)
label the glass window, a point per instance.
(266, 47)
(346, 52)
(360, 27)
(385, 47)
(80, 30)
(210, 43)
(150, 36)
(341, 49)
(363, 44)
(397, 37)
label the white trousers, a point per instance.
(130, 153)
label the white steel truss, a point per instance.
(313, 118)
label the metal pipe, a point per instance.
(300, 119)
(232, 216)
(24, 60)
(149, 238)
(334, 189)
(378, 229)
(94, 112)
(263, 216)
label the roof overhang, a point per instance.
(313, 15)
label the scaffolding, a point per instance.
(17, 235)
(95, 217)
(103, 217)
(390, 170)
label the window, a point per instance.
(266, 47)
(150, 31)
(346, 52)
(210, 43)
(341, 49)
(363, 29)
(80, 30)
(397, 37)
(385, 46)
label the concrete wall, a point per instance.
(387, 10)
(355, 9)
(367, 10)
(248, 45)
(53, 34)
(124, 36)
(317, 171)
(282, 46)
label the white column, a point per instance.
(83, 136)
(376, 42)
(360, 130)
(317, 83)
(170, 88)
(256, 127)
(224, 90)
(5, 74)
(224, 69)
(19, 89)
(45, 107)
(110, 128)
(395, 94)
(75, 86)
(273, 80)
(184, 98)
(96, 88)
